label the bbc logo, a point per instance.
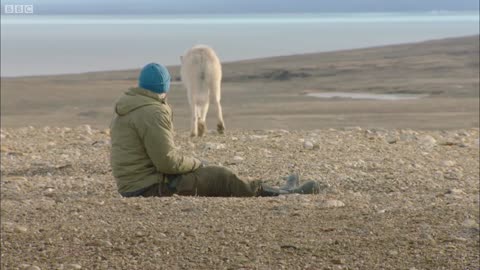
(18, 9)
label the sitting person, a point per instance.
(143, 156)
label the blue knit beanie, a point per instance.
(155, 78)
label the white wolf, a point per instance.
(202, 74)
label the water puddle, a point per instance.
(347, 95)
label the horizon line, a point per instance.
(433, 11)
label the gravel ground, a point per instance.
(392, 199)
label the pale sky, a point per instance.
(238, 6)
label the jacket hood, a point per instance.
(136, 98)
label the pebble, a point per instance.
(453, 175)
(470, 223)
(308, 145)
(74, 266)
(256, 137)
(214, 146)
(24, 266)
(391, 139)
(21, 229)
(393, 252)
(87, 129)
(455, 191)
(105, 243)
(427, 141)
(338, 261)
(237, 159)
(449, 163)
(32, 267)
(331, 204)
(101, 143)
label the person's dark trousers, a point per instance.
(211, 181)
(215, 181)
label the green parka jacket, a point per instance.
(143, 150)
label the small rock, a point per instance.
(455, 191)
(74, 266)
(237, 159)
(87, 129)
(256, 137)
(32, 267)
(393, 252)
(24, 266)
(453, 175)
(391, 139)
(470, 223)
(407, 137)
(459, 239)
(214, 146)
(101, 143)
(105, 243)
(331, 204)
(308, 145)
(448, 163)
(427, 141)
(338, 261)
(21, 229)
(438, 175)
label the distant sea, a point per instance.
(39, 45)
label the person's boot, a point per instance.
(291, 181)
(292, 185)
(309, 187)
(261, 189)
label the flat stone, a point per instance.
(449, 163)
(214, 146)
(455, 191)
(74, 266)
(21, 229)
(427, 141)
(256, 137)
(308, 145)
(331, 204)
(470, 223)
(237, 159)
